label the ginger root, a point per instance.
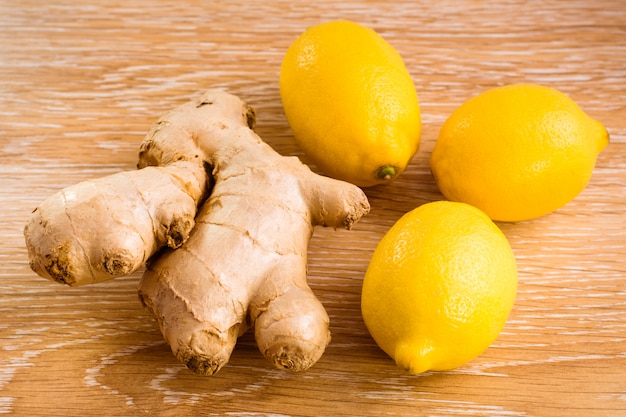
(237, 263)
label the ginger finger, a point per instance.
(291, 330)
(107, 227)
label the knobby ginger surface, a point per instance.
(223, 222)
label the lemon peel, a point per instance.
(439, 287)
(517, 152)
(350, 102)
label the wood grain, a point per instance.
(81, 83)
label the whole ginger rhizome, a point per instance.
(222, 223)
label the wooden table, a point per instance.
(80, 84)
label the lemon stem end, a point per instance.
(387, 172)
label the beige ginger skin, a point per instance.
(99, 229)
(239, 263)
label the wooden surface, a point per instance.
(82, 81)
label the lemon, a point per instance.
(439, 287)
(350, 102)
(517, 152)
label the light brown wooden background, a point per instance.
(81, 81)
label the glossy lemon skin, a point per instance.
(517, 152)
(439, 287)
(350, 102)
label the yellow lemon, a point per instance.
(439, 287)
(350, 102)
(517, 152)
